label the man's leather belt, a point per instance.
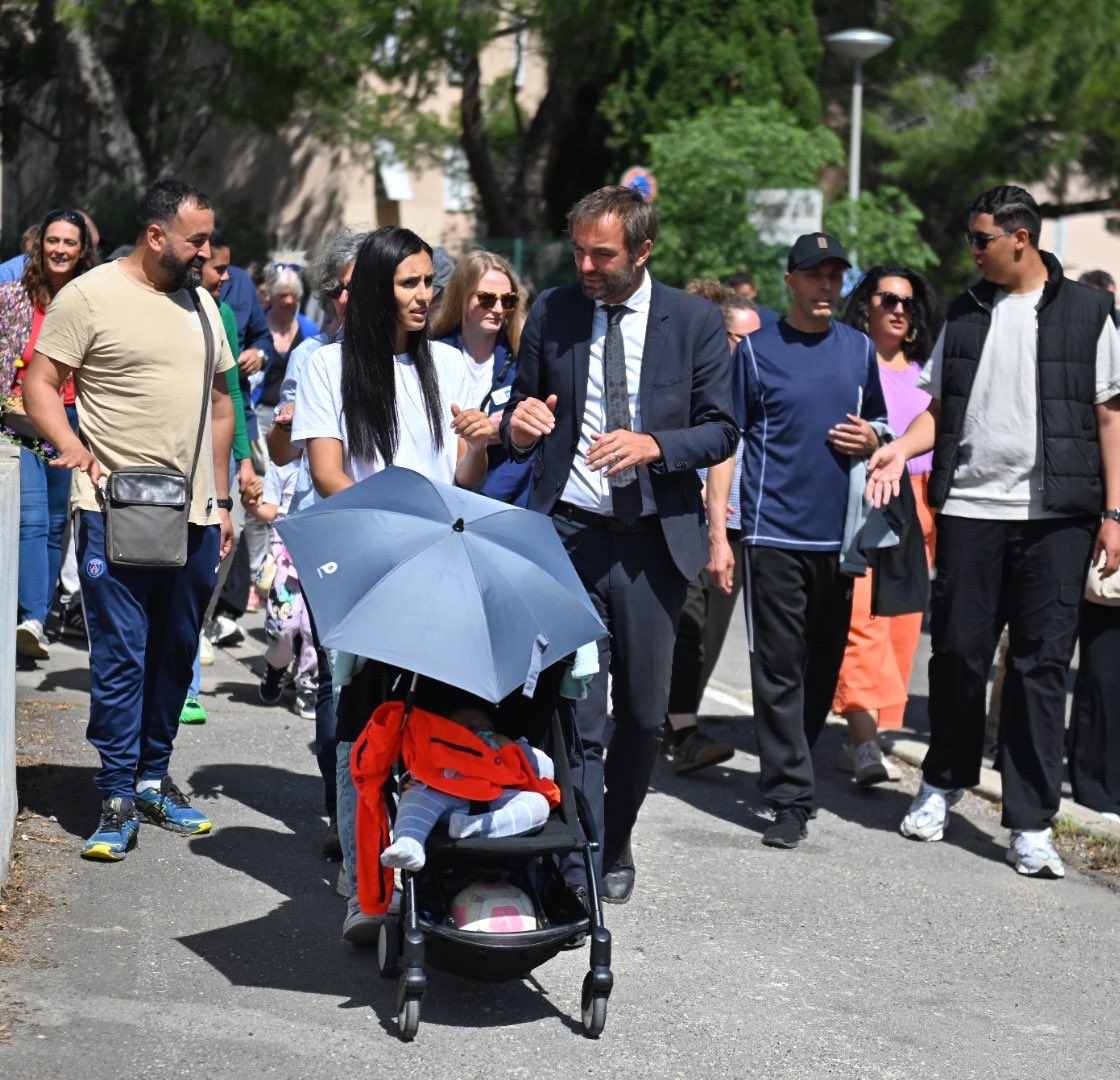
(600, 521)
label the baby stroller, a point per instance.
(424, 932)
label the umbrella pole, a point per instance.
(408, 698)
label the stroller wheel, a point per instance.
(594, 1009)
(389, 947)
(408, 1018)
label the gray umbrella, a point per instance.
(440, 581)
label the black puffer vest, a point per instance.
(1070, 318)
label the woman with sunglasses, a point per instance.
(62, 249)
(383, 396)
(898, 309)
(481, 314)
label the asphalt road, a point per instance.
(858, 955)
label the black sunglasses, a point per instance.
(71, 216)
(980, 240)
(890, 301)
(337, 291)
(488, 299)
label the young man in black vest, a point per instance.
(1025, 429)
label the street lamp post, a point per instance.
(858, 45)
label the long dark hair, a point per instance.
(369, 386)
(925, 318)
(35, 276)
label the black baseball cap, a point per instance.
(813, 248)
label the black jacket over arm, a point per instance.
(685, 396)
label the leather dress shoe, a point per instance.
(618, 882)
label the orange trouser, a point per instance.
(875, 675)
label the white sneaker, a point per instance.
(224, 631)
(929, 812)
(205, 651)
(305, 701)
(1033, 854)
(1108, 815)
(31, 641)
(359, 928)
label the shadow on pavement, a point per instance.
(297, 946)
(296, 799)
(76, 678)
(65, 792)
(238, 693)
(732, 794)
(883, 806)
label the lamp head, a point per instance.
(858, 44)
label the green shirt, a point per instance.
(241, 449)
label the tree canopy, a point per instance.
(150, 78)
(707, 165)
(974, 92)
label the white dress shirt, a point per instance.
(586, 488)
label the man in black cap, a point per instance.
(805, 389)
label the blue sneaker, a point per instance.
(116, 831)
(170, 809)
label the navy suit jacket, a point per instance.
(685, 395)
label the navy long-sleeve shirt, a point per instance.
(790, 388)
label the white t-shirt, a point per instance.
(318, 412)
(280, 484)
(999, 469)
(480, 377)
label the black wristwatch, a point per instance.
(225, 504)
(1113, 514)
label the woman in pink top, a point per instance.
(898, 309)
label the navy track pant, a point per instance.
(143, 635)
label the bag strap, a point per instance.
(208, 333)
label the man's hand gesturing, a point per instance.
(531, 420)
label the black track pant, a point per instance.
(799, 606)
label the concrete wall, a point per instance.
(9, 557)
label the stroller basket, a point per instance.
(494, 957)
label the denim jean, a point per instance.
(195, 687)
(347, 803)
(44, 495)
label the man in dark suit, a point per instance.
(623, 391)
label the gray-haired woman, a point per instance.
(290, 328)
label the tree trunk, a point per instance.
(476, 147)
(117, 137)
(534, 161)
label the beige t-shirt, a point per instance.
(140, 358)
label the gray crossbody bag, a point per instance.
(147, 508)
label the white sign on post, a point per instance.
(781, 215)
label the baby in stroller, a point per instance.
(450, 744)
(514, 812)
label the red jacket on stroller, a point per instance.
(438, 752)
